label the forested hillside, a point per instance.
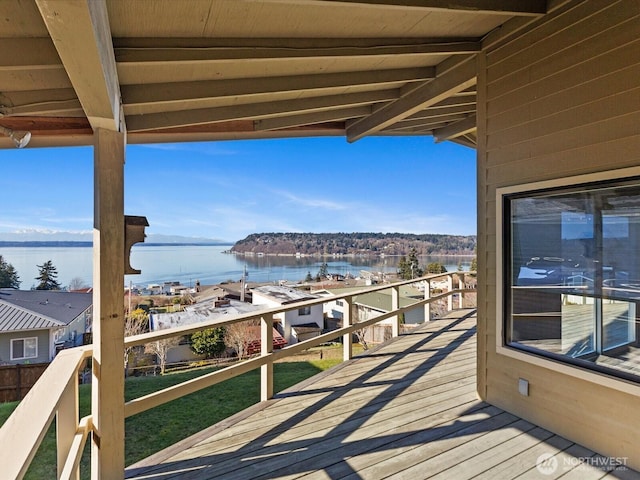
(355, 243)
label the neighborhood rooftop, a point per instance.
(37, 309)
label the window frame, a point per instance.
(23, 340)
(304, 311)
(503, 226)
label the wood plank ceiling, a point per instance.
(188, 70)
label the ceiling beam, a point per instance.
(260, 49)
(181, 91)
(456, 129)
(255, 111)
(59, 108)
(432, 123)
(464, 140)
(505, 7)
(312, 118)
(28, 53)
(441, 112)
(81, 34)
(456, 79)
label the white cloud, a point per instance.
(311, 202)
(210, 149)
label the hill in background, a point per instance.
(355, 244)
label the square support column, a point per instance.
(347, 319)
(395, 304)
(266, 347)
(107, 391)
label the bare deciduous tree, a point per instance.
(238, 336)
(134, 323)
(160, 348)
(76, 283)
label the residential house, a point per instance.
(374, 304)
(294, 325)
(36, 324)
(210, 309)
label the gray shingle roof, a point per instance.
(38, 309)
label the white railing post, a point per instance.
(67, 424)
(347, 320)
(395, 305)
(107, 387)
(266, 347)
(461, 288)
(427, 296)
(449, 289)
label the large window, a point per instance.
(572, 274)
(24, 348)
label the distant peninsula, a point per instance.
(374, 244)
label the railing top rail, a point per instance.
(24, 430)
(160, 397)
(143, 338)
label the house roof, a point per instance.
(283, 295)
(306, 328)
(201, 312)
(381, 300)
(40, 309)
(194, 70)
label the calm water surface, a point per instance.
(186, 264)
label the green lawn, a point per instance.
(160, 427)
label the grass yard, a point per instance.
(160, 427)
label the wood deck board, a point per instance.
(406, 410)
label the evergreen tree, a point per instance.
(208, 342)
(323, 272)
(404, 270)
(47, 277)
(409, 267)
(8, 275)
(308, 278)
(414, 266)
(436, 267)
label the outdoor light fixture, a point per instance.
(20, 138)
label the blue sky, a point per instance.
(227, 190)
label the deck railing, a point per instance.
(56, 392)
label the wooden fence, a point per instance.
(17, 380)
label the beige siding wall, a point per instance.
(561, 100)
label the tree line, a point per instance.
(356, 243)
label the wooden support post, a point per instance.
(461, 288)
(67, 424)
(266, 347)
(395, 304)
(449, 288)
(347, 320)
(107, 389)
(18, 383)
(427, 296)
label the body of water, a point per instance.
(208, 264)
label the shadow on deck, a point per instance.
(406, 410)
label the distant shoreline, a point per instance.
(343, 255)
(36, 244)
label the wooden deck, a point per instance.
(407, 410)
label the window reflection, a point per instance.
(574, 274)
